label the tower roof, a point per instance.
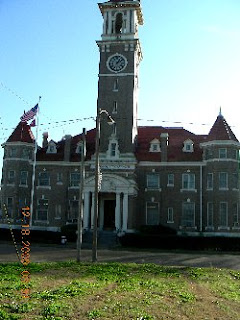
(221, 130)
(22, 133)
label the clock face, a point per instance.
(117, 63)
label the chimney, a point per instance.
(164, 144)
(45, 140)
(67, 147)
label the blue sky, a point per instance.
(190, 66)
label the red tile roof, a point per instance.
(176, 138)
(221, 130)
(22, 133)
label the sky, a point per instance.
(190, 67)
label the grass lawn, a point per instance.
(69, 290)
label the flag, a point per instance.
(30, 114)
(33, 123)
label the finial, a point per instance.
(220, 112)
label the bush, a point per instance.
(157, 230)
(70, 231)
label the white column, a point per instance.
(128, 21)
(118, 212)
(125, 212)
(105, 23)
(109, 31)
(92, 210)
(86, 211)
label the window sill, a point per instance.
(188, 190)
(236, 228)
(223, 189)
(153, 189)
(170, 221)
(224, 228)
(209, 228)
(209, 189)
(44, 187)
(73, 187)
(23, 185)
(41, 221)
(170, 185)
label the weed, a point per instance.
(94, 314)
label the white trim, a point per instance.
(114, 74)
(220, 142)
(170, 164)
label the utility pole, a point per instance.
(80, 213)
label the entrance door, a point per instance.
(109, 214)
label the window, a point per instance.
(113, 149)
(209, 181)
(79, 147)
(52, 148)
(59, 177)
(58, 211)
(115, 85)
(11, 177)
(10, 207)
(22, 204)
(222, 152)
(188, 214)
(26, 153)
(23, 178)
(170, 180)
(210, 214)
(114, 128)
(223, 214)
(235, 215)
(12, 152)
(236, 154)
(119, 23)
(188, 181)
(153, 181)
(152, 213)
(155, 146)
(73, 209)
(43, 179)
(115, 106)
(42, 209)
(188, 146)
(170, 215)
(74, 179)
(209, 154)
(235, 181)
(223, 180)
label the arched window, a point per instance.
(119, 23)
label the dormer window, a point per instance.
(155, 146)
(52, 148)
(188, 146)
(79, 147)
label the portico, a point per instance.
(113, 202)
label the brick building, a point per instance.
(150, 175)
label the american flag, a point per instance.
(30, 114)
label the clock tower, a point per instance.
(120, 56)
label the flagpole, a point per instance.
(34, 166)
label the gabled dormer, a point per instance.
(155, 146)
(188, 146)
(52, 147)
